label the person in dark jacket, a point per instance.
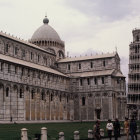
(116, 126)
(133, 129)
(96, 130)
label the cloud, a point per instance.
(86, 26)
(107, 10)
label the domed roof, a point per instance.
(45, 32)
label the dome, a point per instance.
(45, 32)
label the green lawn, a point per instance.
(12, 131)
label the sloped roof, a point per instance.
(68, 59)
(118, 74)
(29, 64)
(23, 42)
(97, 73)
(92, 73)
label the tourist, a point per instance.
(96, 130)
(126, 128)
(133, 129)
(116, 126)
(109, 128)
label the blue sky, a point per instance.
(86, 26)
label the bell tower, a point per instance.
(136, 35)
(133, 103)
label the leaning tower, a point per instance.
(134, 76)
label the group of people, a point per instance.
(129, 127)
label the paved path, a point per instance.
(124, 138)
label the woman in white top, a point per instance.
(109, 128)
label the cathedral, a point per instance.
(38, 83)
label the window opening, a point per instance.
(79, 66)
(7, 91)
(83, 101)
(103, 80)
(88, 81)
(81, 82)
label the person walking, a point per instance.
(126, 128)
(116, 126)
(96, 130)
(133, 129)
(109, 128)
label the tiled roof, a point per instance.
(92, 73)
(119, 74)
(29, 64)
(22, 41)
(68, 59)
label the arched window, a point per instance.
(137, 38)
(51, 97)
(68, 66)
(103, 81)
(81, 82)
(104, 63)
(60, 98)
(50, 43)
(67, 99)
(32, 94)
(83, 101)
(38, 58)
(7, 48)
(20, 93)
(16, 68)
(16, 51)
(79, 66)
(42, 95)
(7, 91)
(88, 81)
(91, 64)
(60, 54)
(22, 71)
(31, 55)
(95, 81)
(2, 64)
(9, 68)
(23, 53)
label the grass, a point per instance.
(12, 131)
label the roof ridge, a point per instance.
(69, 59)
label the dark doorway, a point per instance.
(98, 113)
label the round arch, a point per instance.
(60, 54)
